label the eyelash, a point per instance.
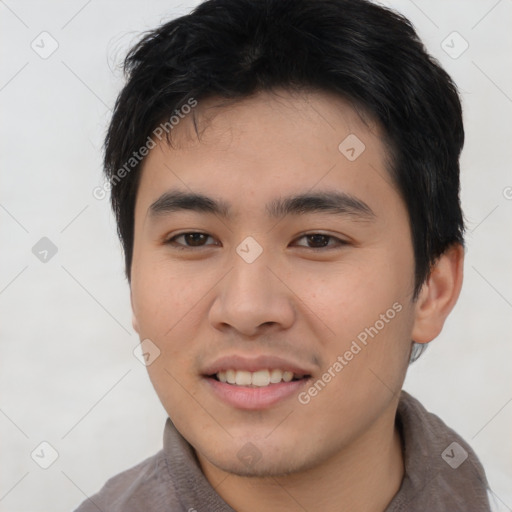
(171, 241)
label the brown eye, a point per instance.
(320, 240)
(192, 239)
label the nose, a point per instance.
(253, 298)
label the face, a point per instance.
(296, 264)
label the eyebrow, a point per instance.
(333, 202)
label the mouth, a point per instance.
(255, 383)
(255, 390)
(258, 379)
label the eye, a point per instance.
(314, 241)
(320, 241)
(191, 239)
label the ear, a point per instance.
(438, 295)
(135, 322)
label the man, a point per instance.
(285, 178)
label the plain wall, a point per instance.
(68, 373)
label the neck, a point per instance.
(362, 477)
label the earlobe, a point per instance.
(438, 295)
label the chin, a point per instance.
(260, 458)
(262, 468)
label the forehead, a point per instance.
(312, 113)
(254, 149)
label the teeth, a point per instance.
(276, 376)
(261, 378)
(243, 378)
(287, 376)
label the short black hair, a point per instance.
(363, 52)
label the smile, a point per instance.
(260, 378)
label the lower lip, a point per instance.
(255, 398)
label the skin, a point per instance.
(293, 301)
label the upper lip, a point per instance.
(253, 364)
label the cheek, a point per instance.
(367, 307)
(373, 337)
(166, 303)
(351, 296)
(163, 295)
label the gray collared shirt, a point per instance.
(442, 474)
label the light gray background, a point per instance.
(68, 374)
